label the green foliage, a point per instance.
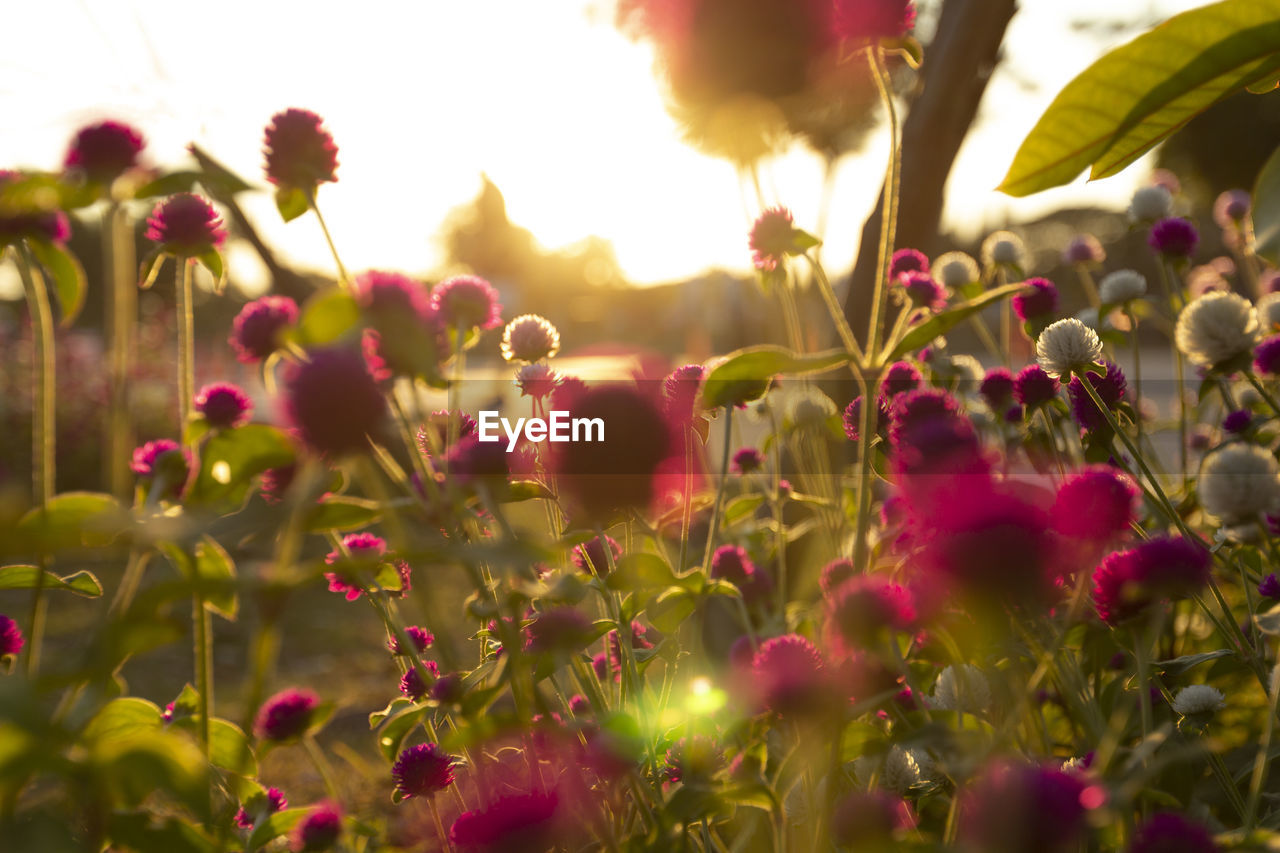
(1266, 210)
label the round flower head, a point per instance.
(223, 405)
(908, 260)
(103, 152)
(1122, 286)
(1095, 503)
(731, 563)
(772, 238)
(789, 675)
(1216, 328)
(861, 607)
(852, 417)
(319, 830)
(333, 402)
(360, 547)
(809, 409)
(1128, 582)
(680, 392)
(300, 152)
(1269, 587)
(1111, 388)
(475, 462)
(1034, 387)
(1067, 345)
(997, 388)
(747, 460)
(1004, 249)
(923, 291)
(1084, 249)
(467, 302)
(1170, 832)
(522, 823)
(1239, 481)
(1023, 808)
(422, 770)
(1173, 238)
(962, 688)
(259, 806)
(591, 558)
(437, 427)
(899, 378)
(1266, 358)
(536, 380)
(1198, 699)
(11, 641)
(558, 629)
(861, 21)
(162, 460)
(1150, 204)
(1230, 208)
(530, 338)
(381, 292)
(255, 332)
(835, 573)
(956, 269)
(1038, 301)
(186, 225)
(420, 637)
(411, 683)
(286, 715)
(1268, 309)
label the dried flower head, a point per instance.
(530, 337)
(1122, 286)
(1239, 481)
(1066, 346)
(1198, 699)
(1216, 328)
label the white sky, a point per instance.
(561, 111)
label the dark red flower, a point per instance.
(186, 225)
(255, 332)
(300, 152)
(333, 402)
(104, 151)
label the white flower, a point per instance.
(962, 689)
(1216, 327)
(1238, 482)
(901, 770)
(956, 269)
(968, 370)
(1198, 699)
(1122, 286)
(1088, 316)
(1066, 345)
(530, 338)
(1269, 312)
(1150, 204)
(1004, 248)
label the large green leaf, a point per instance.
(1132, 98)
(940, 324)
(66, 275)
(24, 577)
(212, 569)
(755, 366)
(74, 520)
(1266, 210)
(327, 316)
(230, 458)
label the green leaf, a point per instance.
(640, 571)
(671, 608)
(175, 182)
(230, 458)
(276, 825)
(66, 274)
(123, 717)
(150, 268)
(523, 490)
(342, 513)
(744, 375)
(134, 767)
(397, 728)
(75, 520)
(229, 748)
(1266, 210)
(212, 261)
(327, 316)
(1179, 665)
(214, 564)
(1137, 95)
(221, 182)
(24, 577)
(291, 202)
(940, 324)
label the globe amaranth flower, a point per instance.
(1216, 328)
(997, 388)
(1084, 249)
(1170, 832)
(1024, 808)
(1095, 503)
(772, 238)
(259, 806)
(333, 402)
(186, 225)
(1034, 387)
(162, 460)
(790, 676)
(591, 558)
(1230, 208)
(835, 573)
(1038, 301)
(11, 641)
(680, 392)
(1128, 582)
(530, 337)
(1174, 238)
(962, 688)
(1269, 587)
(956, 270)
(300, 151)
(1266, 358)
(923, 291)
(537, 380)
(1066, 346)
(1238, 482)
(558, 629)
(1150, 204)
(363, 552)
(1268, 308)
(467, 302)
(1004, 249)
(863, 607)
(747, 460)
(422, 770)
(907, 260)
(1198, 699)
(1110, 387)
(286, 715)
(382, 292)
(435, 432)
(852, 417)
(411, 683)
(319, 830)
(256, 330)
(104, 151)
(514, 822)
(1122, 286)
(30, 221)
(694, 760)
(224, 405)
(860, 21)
(867, 820)
(731, 563)
(476, 463)
(421, 638)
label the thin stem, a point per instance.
(875, 56)
(1262, 391)
(866, 434)
(833, 306)
(1174, 300)
(1260, 761)
(322, 765)
(435, 818)
(343, 278)
(186, 345)
(121, 311)
(724, 476)
(1140, 655)
(686, 517)
(202, 621)
(1137, 369)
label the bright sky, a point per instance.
(561, 111)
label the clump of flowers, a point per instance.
(1163, 568)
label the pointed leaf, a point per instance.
(66, 275)
(327, 316)
(212, 261)
(1266, 210)
(24, 577)
(291, 202)
(75, 520)
(229, 460)
(940, 324)
(150, 268)
(276, 825)
(342, 513)
(754, 367)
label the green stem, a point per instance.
(343, 278)
(1261, 761)
(186, 345)
(686, 517)
(322, 765)
(202, 621)
(121, 311)
(833, 307)
(875, 57)
(1137, 369)
(1262, 391)
(714, 528)
(435, 818)
(866, 434)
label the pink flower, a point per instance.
(223, 405)
(1095, 503)
(422, 770)
(873, 20)
(333, 402)
(103, 152)
(790, 676)
(255, 332)
(300, 152)
(319, 830)
(467, 302)
(186, 225)
(286, 715)
(772, 238)
(514, 822)
(11, 641)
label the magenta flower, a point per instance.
(467, 302)
(790, 676)
(1033, 387)
(1266, 356)
(31, 224)
(286, 715)
(1237, 422)
(899, 378)
(835, 573)
(559, 629)
(997, 388)
(104, 151)
(591, 558)
(1170, 832)
(1111, 390)
(537, 380)
(694, 760)
(859, 609)
(1230, 208)
(1022, 808)
(380, 292)
(333, 402)
(747, 460)
(1038, 302)
(438, 425)
(255, 332)
(1084, 249)
(319, 830)
(1174, 238)
(923, 290)
(420, 637)
(11, 641)
(1128, 582)
(186, 225)
(422, 770)
(731, 563)
(411, 683)
(472, 462)
(772, 238)
(365, 551)
(300, 152)
(852, 417)
(680, 392)
(514, 822)
(259, 806)
(223, 405)
(163, 458)
(1095, 503)
(872, 20)
(907, 260)
(1270, 587)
